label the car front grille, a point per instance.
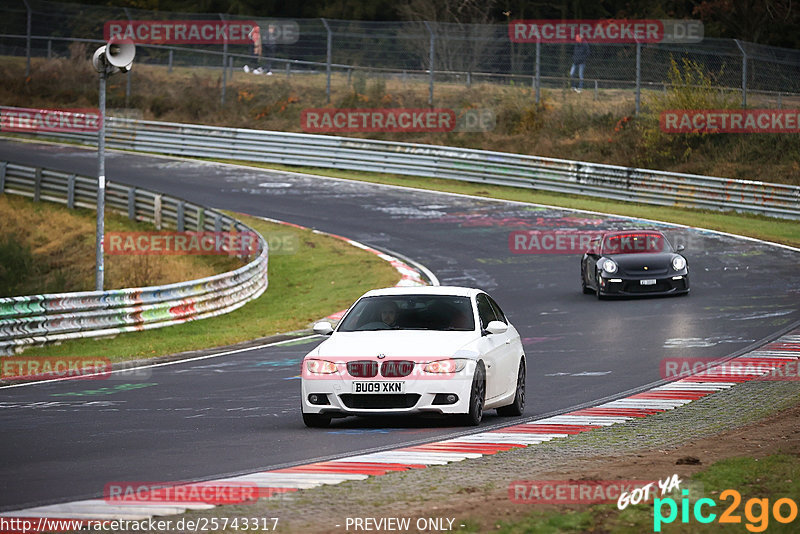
(397, 368)
(639, 271)
(634, 286)
(380, 401)
(362, 369)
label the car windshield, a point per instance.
(635, 243)
(410, 312)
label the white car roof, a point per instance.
(424, 290)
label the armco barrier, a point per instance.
(482, 166)
(39, 319)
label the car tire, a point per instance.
(316, 420)
(477, 398)
(586, 289)
(597, 288)
(518, 406)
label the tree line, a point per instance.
(769, 22)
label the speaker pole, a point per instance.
(115, 56)
(101, 188)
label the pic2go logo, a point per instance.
(756, 511)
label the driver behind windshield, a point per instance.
(388, 314)
(385, 317)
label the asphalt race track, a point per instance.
(240, 412)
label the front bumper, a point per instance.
(625, 285)
(421, 395)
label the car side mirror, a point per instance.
(496, 327)
(680, 248)
(323, 328)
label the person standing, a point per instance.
(270, 41)
(255, 50)
(579, 56)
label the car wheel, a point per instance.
(316, 420)
(477, 396)
(597, 288)
(518, 406)
(586, 289)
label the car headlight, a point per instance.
(609, 266)
(678, 263)
(451, 365)
(321, 367)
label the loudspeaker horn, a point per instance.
(117, 54)
(120, 53)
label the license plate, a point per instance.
(647, 282)
(364, 386)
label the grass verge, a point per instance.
(310, 283)
(47, 248)
(768, 228)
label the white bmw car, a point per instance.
(445, 350)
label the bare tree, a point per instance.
(462, 28)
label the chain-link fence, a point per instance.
(427, 51)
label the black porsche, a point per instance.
(633, 262)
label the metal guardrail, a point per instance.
(481, 166)
(40, 319)
(463, 50)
